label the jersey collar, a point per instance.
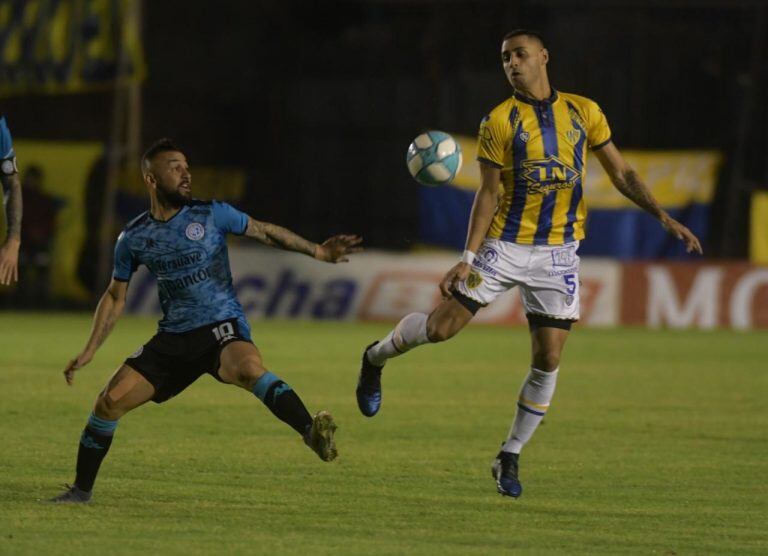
(182, 209)
(552, 98)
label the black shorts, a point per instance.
(171, 362)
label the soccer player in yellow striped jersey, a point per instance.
(540, 148)
(532, 148)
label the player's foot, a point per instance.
(369, 386)
(72, 495)
(504, 470)
(319, 437)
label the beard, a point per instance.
(170, 197)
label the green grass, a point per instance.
(655, 444)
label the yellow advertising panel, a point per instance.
(68, 46)
(62, 170)
(676, 178)
(758, 240)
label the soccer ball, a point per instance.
(434, 158)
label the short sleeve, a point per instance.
(598, 131)
(491, 140)
(6, 143)
(125, 263)
(228, 219)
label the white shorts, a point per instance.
(548, 276)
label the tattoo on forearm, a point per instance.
(277, 236)
(14, 207)
(632, 187)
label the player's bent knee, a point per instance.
(107, 408)
(546, 361)
(245, 373)
(438, 333)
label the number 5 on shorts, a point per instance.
(570, 282)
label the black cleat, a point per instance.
(368, 390)
(73, 495)
(319, 437)
(504, 469)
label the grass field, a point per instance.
(655, 444)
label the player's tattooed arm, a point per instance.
(630, 185)
(332, 250)
(107, 313)
(14, 207)
(9, 251)
(277, 236)
(628, 182)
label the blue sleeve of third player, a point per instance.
(125, 264)
(6, 144)
(228, 219)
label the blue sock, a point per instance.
(283, 402)
(94, 445)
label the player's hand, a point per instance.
(9, 262)
(77, 363)
(336, 249)
(458, 273)
(682, 233)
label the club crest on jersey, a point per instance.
(573, 136)
(195, 231)
(524, 136)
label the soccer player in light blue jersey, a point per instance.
(9, 176)
(203, 330)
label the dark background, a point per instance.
(318, 101)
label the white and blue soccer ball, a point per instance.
(434, 158)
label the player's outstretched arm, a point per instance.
(333, 250)
(9, 251)
(108, 310)
(480, 219)
(628, 182)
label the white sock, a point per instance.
(537, 391)
(410, 332)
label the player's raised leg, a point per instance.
(412, 331)
(548, 337)
(126, 390)
(241, 365)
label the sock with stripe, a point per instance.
(283, 402)
(410, 332)
(537, 391)
(94, 445)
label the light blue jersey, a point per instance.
(188, 256)
(7, 154)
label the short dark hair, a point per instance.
(528, 33)
(159, 146)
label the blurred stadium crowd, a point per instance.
(300, 113)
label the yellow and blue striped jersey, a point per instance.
(541, 149)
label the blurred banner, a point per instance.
(682, 181)
(68, 46)
(695, 295)
(55, 177)
(758, 224)
(385, 287)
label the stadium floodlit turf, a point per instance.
(655, 444)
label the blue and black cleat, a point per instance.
(504, 469)
(369, 386)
